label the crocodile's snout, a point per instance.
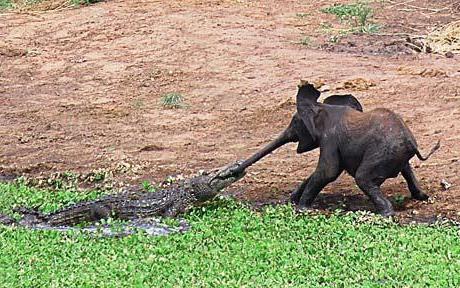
(231, 171)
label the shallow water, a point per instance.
(150, 226)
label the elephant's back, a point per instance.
(378, 134)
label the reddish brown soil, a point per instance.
(80, 90)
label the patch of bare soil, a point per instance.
(80, 91)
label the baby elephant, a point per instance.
(370, 146)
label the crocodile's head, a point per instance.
(210, 183)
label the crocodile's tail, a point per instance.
(7, 220)
(436, 147)
(30, 216)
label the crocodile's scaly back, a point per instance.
(123, 206)
(87, 211)
(138, 203)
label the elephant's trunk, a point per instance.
(286, 137)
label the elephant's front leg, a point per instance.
(297, 193)
(327, 171)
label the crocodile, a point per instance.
(133, 204)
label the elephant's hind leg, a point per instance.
(369, 183)
(412, 183)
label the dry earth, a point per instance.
(80, 90)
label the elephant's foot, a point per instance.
(302, 209)
(420, 196)
(387, 212)
(295, 197)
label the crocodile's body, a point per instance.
(134, 204)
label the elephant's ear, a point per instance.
(307, 109)
(307, 91)
(306, 141)
(344, 100)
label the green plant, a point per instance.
(399, 199)
(171, 222)
(5, 4)
(358, 15)
(172, 100)
(306, 41)
(369, 28)
(148, 186)
(18, 194)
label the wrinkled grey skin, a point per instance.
(297, 132)
(371, 146)
(134, 204)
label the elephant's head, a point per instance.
(304, 127)
(310, 114)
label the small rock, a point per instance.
(449, 55)
(445, 185)
(415, 212)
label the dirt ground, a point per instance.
(80, 90)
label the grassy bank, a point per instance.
(233, 246)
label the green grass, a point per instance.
(231, 246)
(18, 195)
(172, 100)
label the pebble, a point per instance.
(445, 185)
(449, 55)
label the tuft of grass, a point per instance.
(149, 186)
(305, 41)
(230, 245)
(358, 15)
(172, 100)
(302, 15)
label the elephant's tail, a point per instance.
(436, 147)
